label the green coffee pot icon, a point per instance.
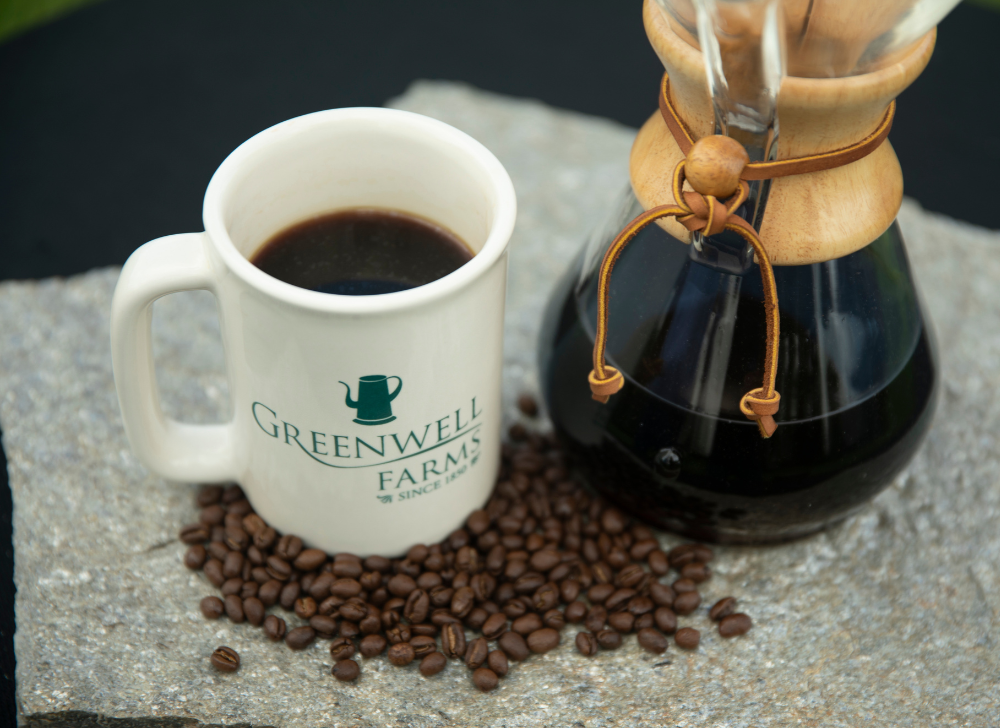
(374, 400)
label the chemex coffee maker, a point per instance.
(740, 354)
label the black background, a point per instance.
(113, 119)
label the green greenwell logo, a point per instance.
(405, 464)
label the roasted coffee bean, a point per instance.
(527, 624)
(440, 596)
(696, 572)
(658, 562)
(354, 609)
(576, 612)
(545, 560)
(495, 625)
(401, 585)
(485, 679)
(632, 576)
(378, 597)
(341, 649)
(643, 548)
(300, 637)
(453, 640)
(274, 627)
(441, 617)
(236, 538)
(255, 556)
(463, 601)
(515, 569)
(377, 563)
(527, 404)
(372, 645)
(617, 558)
(496, 559)
(225, 659)
(240, 507)
(265, 538)
(252, 524)
(307, 580)
(234, 608)
(554, 618)
(209, 495)
(254, 611)
(684, 585)
(345, 588)
(346, 670)
(232, 494)
(609, 639)
(735, 624)
(218, 534)
(643, 621)
(586, 644)
(482, 586)
(418, 553)
(619, 599)
(217, 550)
(514, 646)
(504, 593)
(231, 586)
(278, 568)
(371, 623)
(288, 548)
(417, 606)
(687, 602)
(435, 563)
(518, 432)
(467, 559)
(614, 521)
(309, 559)
(596, 618)
(477, 522)
(621, 621)
(543, 640)
(347, 566)
(401, 654)
(476, 618)
(687, 638)
(603, 574)
(683, 554)
(652, 640)
(562, 571)
(399, 633)
(666, 619)
(722, 608)
(259, 574)
(212, 607)
(476, 653)
(640, 604)
(195, 556)
(569, 590)
(233, 520)
(305, 607)
(599, 593)
(423, 645)
(320, 587)
(194, 533)
(426, 581)
(324, 626)
(496, 660)
(661, 594)
(515, 608)
(528, 583)
(432, 664)
(460, 579)
(545, 598)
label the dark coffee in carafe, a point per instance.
(362, 252)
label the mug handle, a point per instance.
(398, 387)
(171, 449)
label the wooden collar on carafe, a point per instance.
(717, 168)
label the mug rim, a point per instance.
(231, 169)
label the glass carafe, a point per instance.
(857, 369)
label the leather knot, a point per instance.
(761, 409)
(708, 215)
(602, 389)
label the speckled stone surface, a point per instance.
(891, 619)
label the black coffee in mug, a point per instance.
(362, 252)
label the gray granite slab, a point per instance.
(891, 619)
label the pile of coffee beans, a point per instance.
(544, 552)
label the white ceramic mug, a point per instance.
(362, 423)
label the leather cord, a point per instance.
(705, 213)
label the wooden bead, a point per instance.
(714, 166)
